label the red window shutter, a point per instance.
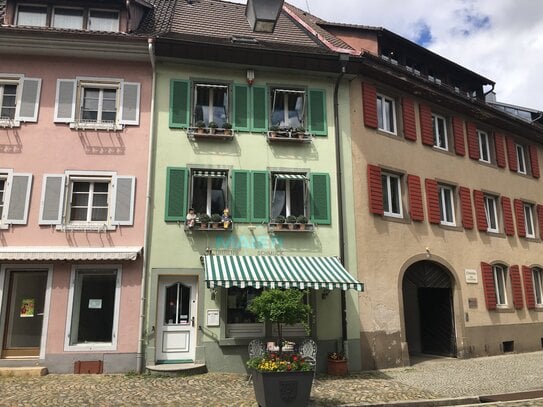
(511, 154)
(499, 140)
(488, 286)
(519, 215)
(415, 197)
(539, 209)
(479, 202)
(369, 105)
(426, 129)
(508, 216)
(528, 287)
(465, 206)
(432, 201)
(516, 287)
(534, 161)
(375, 189)
(473, 142)
(409, 125)
(458, 132)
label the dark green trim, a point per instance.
(176, 194)
(320, 198)
(179, 103)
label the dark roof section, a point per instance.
(2, 11)
(158, 20)
(217, 22)
(390, 36)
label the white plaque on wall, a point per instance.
(213, 317)
(471, 276)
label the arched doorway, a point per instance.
(428, 309)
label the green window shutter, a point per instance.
(241, 189)
(260, 109)
(320, 198)
(241, 108)
(176, 194)
(260, 196)
(317, 112)
(179, 103)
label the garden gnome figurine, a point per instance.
(226, 218)
(191, 218)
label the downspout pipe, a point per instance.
(148, 201)
(339, 179)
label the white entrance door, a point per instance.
(176, 319)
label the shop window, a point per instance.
(240, 321)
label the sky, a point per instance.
(501, 40)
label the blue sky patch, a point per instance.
(423, 34)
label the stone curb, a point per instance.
(459, 401)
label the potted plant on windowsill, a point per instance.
(212, 127)
(273, 130)
(336, 364)
(215, 220)
(273, 370)
(291, 220)
(204, 219)
(227, 128)
(280, 221)
(302, 221)
(200, 126)
(300, 132)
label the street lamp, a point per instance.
(263, 14)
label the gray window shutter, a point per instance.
(65, 101)
(52, 199)
(130, 103)
(123, 200)
(19, 198)
(27, 110)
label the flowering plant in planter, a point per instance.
(337, 356)
(279, 362)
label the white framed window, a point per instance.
(446, 205)
(491, 212)
(103, 20)
(210, 104)
(484, 146)
(19, 99)
(290, 194)
(93, 308)
(537, 276)
(392, 195)
(386, 114)
(83, 200)
(208, 190)
(521, 159)
(439, 124)
(14, 198)
(241, 323)
(500, 283)
(529, 220)
(97, 103)
(288, 108)
(31, 15)
(68, 18)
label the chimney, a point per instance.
(263, 14)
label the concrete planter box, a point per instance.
(277, 389)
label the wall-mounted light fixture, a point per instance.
(250, 76)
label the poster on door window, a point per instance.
(27, 308)
(95, 303)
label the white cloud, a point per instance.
(504, 40)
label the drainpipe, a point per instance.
(148, 201)
(339, 176)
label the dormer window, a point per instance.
(35, 16)
(103, 20)
(68, 18)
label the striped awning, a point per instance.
(291, 176)
(278, 271)
(46, 253)
(209, 173)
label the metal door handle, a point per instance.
(192, 321)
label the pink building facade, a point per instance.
(74, 155)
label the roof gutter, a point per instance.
(319, 37)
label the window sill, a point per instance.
(9, 123)
(95, 126)
(209, 227)
(288, 136)
(291, 227)
(209, 134)
(532, 239)
(91, 347)
(495, 234)
(455, 228)
(396, 219)
(85, 227)
(236, 341)
(505, 309)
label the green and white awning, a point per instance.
(300, 177)
(209, 173)
(278, 271)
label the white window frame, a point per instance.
(288, 197)
(388, 190)
(19, 81)
(95, 346)
(210, 178)
(484, 146)
(499, 273)
(443, 191)
(491, 212)
(101, 84)
(284, 93)
(440, 140)
(382, 117)
(529, 219)
(537, 278)
(211, 89)
(521, 159)
(44, 7)
(106, 10)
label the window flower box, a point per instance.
(286, 227)
(210, 133)
(288, 135)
